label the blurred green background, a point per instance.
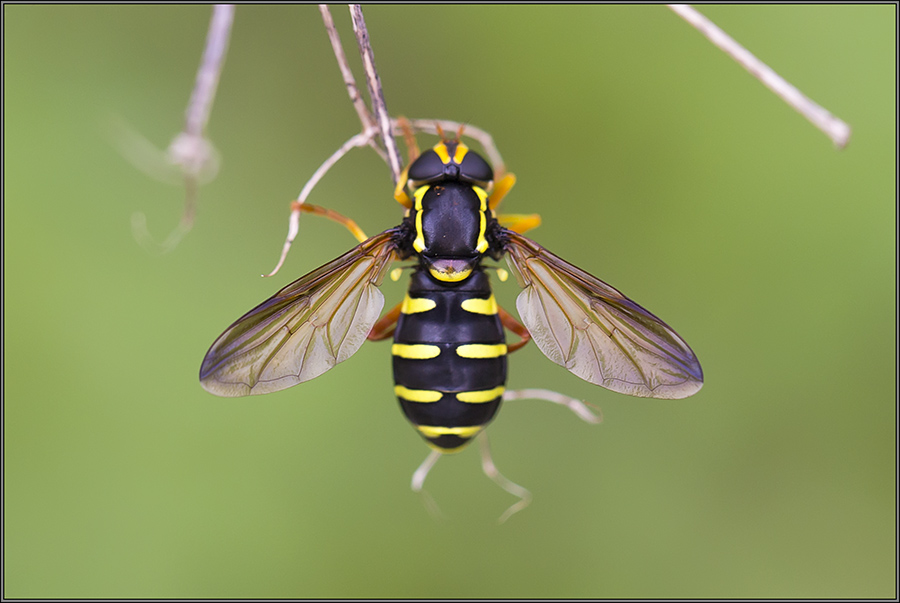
(657, 164)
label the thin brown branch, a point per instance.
(834, 128)
(210, 69)
(376, 93)
(365, 117)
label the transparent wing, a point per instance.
(304, 329)
(583, 324)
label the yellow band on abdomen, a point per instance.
(480, 397)
(481, 350)
(414, 305)
(415, 351)
(417, 395)
(480, 306)
(430, 431)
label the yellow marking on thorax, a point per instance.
(417, 395)
(430, 431)
(480, 306)
(482, 244)
(419, 243)
(481, 350)
(479, 397)
(413, 305)
(415, 351)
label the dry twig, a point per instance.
(376, 94)
(191, 152)
(834, 128)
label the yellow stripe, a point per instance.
(417, 395)
(481, 350)
(415, 352)
(460, 153)
(481, 396)
(449, 277)
(480, 306)
(430, 431)
(413, 305)
(441, 149)
(482, 244)
(419, 243)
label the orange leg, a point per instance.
(516, 327)
(412, 153)
(520, 223)
(385, 326)
(331, 215)
(501, 187)
(409, 137)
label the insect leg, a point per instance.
(359, 140)
(418, 481)
(412, 153)
(418, 478)
(516, 327)
(577, 406)
(490, 470)
(349, 224)
(409, 137)
(520, 223)
(501, 187)
(385, 326)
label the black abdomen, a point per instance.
(449, 358)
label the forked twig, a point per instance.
(834, 128)
(364, 138)
(190, 151)
(365, 117)
(381, 126)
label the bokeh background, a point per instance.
(657, 164)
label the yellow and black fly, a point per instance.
(450, 351)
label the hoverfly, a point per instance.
(449, 350)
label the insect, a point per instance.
(450, 351)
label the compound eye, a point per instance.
(427, 167)
(475, 169)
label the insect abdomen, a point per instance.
(449, 359)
